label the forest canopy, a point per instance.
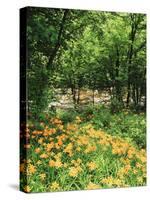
(77, 49)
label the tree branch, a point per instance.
(57, 45)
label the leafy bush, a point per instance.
(87, 112)
(116, 105)
(102, 117)
(67, 116)
(125, 124)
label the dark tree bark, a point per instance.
(78, 99)
(129, 56)
(117, 82)
(58, 42)
(93, 96)
(135, 20)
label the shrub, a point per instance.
(67, 116)
(115, 105)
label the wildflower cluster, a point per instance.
(76, 156)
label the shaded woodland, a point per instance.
(86, 50)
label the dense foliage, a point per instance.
(86, 49)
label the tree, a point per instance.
(75, 49)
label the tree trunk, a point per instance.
(74, 96)
(58, 42)
(93, 97)
(78, 99)
(117, 82)
(128, 94)
(134, 25)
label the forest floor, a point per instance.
(65, 101)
